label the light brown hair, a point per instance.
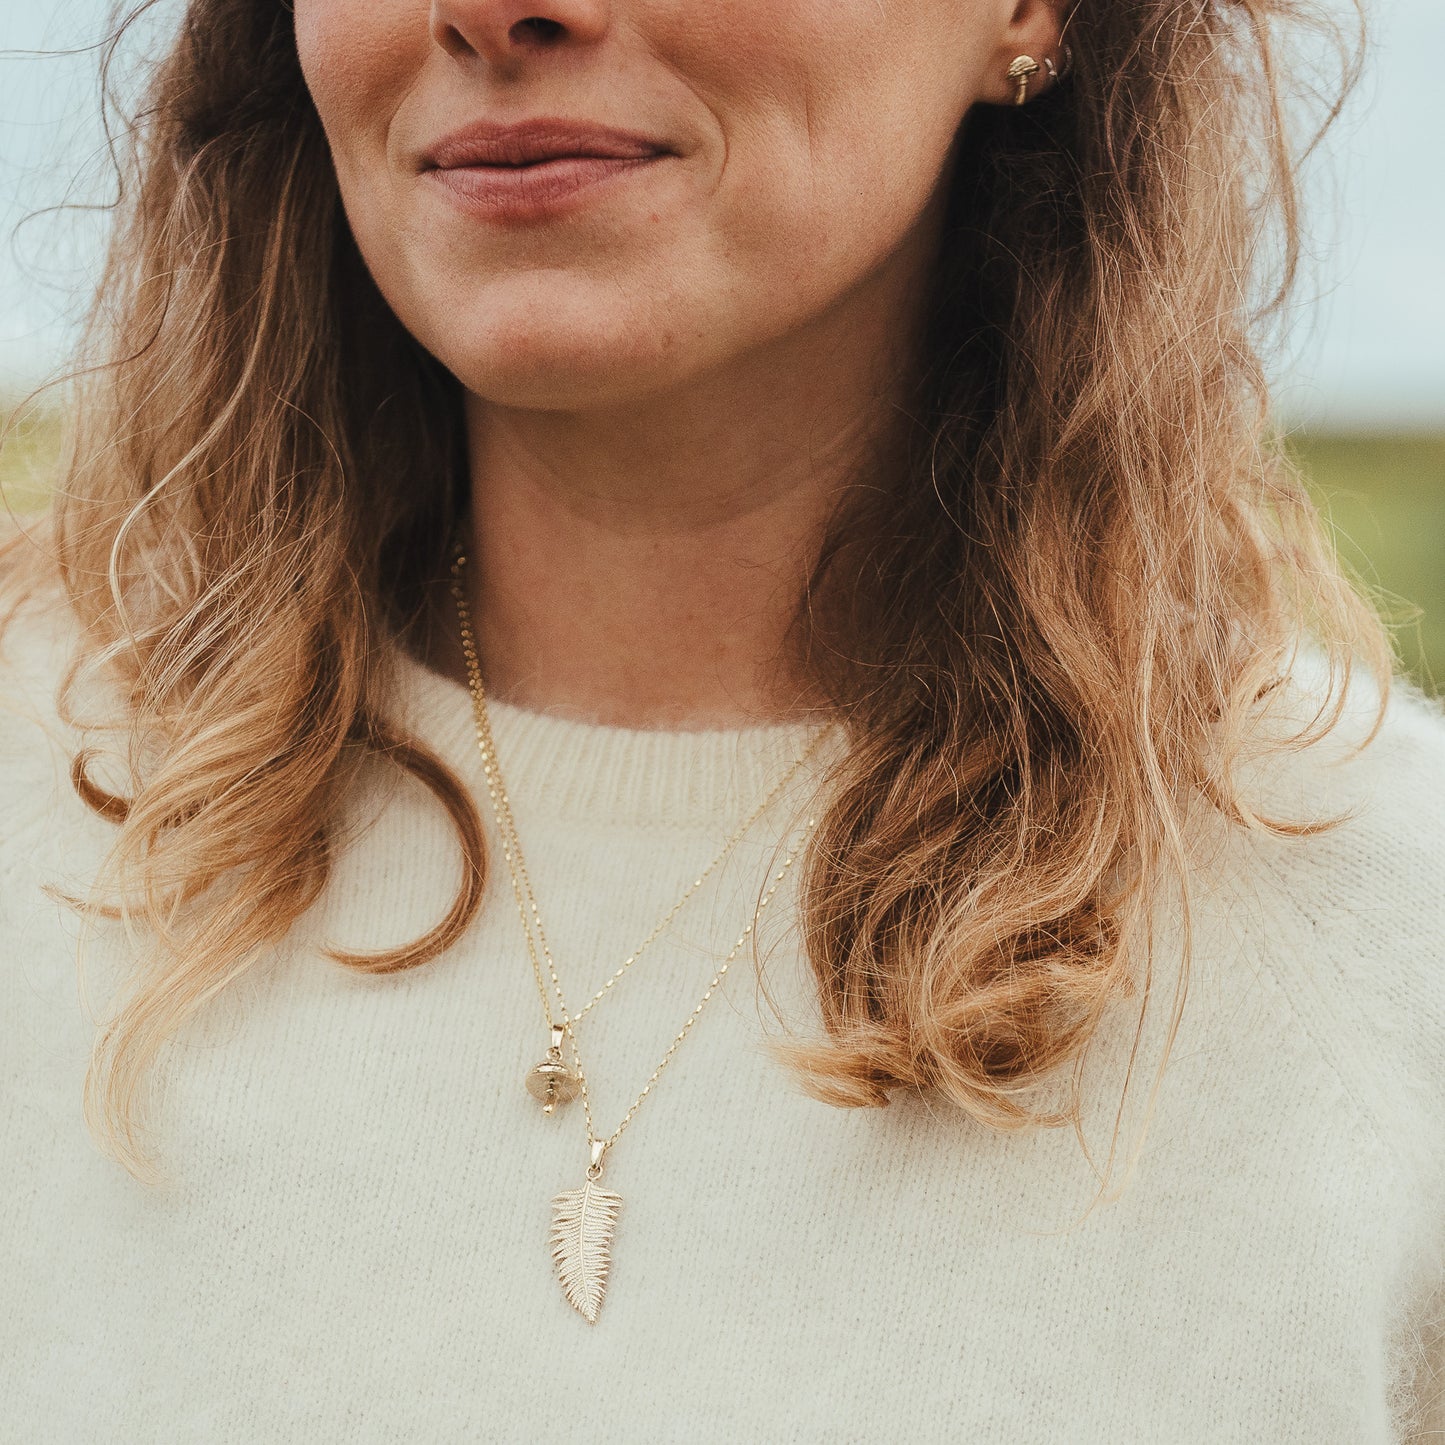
(1046, 636)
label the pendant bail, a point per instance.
(558, 1033)
(594, 1169)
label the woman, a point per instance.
(567, 501)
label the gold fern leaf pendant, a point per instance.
(583, 1221)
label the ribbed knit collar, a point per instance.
(594, 771)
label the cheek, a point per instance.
(358, 57)
(836, 120)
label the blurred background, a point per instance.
(1360, 369)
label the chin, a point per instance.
(562, 379)
(548, 356)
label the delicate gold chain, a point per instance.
(511, 845)
(682, 1032)
(521, 881)
(515, 859)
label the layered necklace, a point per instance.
(584, 1220)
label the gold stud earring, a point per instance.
(1020, 68)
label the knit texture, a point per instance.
(353, 1245)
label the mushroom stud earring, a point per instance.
(1020, 68)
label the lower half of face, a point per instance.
(598, 200)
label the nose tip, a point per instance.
(504, 32)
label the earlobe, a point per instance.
(1041, 58)
(1024, 68)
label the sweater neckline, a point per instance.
(571, 768)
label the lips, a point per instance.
(535, 169)
(535, 142)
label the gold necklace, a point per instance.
(584, 1219)
(550, 1081)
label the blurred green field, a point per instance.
(27, 454)
(1384, 496)
(1383, 493)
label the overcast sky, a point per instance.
(1368, 337)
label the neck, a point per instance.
(644, 566)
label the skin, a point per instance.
(670, 384)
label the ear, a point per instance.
(1034, 29)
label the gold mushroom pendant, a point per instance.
(551, 1082)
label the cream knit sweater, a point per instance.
(354, 1244)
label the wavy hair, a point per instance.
(1046, 634)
